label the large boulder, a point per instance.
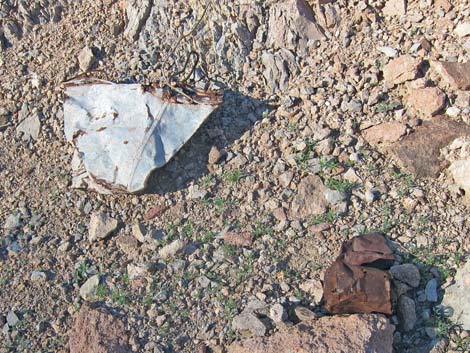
(456, 297)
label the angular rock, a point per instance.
(145, 269)
(145, 125)
(455, 74)
(355, 282)
(460, 170)
(401, 69)
(394, 8)
(278, 313)
(38, 276)
(172, 249)
(13, 221)
(279, 67)
(214, 155)
(249, 323)
(384, 133)
(101, 225)
(310, 199)
(304, 314)
(292, 25)
(426, 101)
(462, 29)
(406, 311)
(98, 331)
(419, 152)
(244, 239)
(30, 127)
(314, 288)
(406, 273)
(456, 297)
(88, 289)
(86, 59)
(346, 334)
(12, 318)
(431, 291)
(137, 12)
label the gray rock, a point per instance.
(277, 313)
(371, 195)
(137, 12)
(13, 221)
(431, 291)
(30, 127)
(304, 314)
(248, 322)
(38, 276)
(406, 311)
(12, 319)
(279, 67)
(456, 297)
(88, 289)
(145, 269)
(101, 225)
(86, 59)
(406, 273)
(334, 196)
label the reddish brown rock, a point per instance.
(154, 212)
(456, 75)
(244, 239)
(426, 101)
(401, 69)
(346, 334)
(356, 282)
(384, 133)
(419, 152)
(310, 199)
(443, 4)
(97, 331)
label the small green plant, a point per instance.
(234, 176)
(262, 229)
(328, 217)
(339, 185)
(81, 272)
(302, 158)
(219, 204)
(125, 279)
(385, 107)
(119, 297)
(207, 237)
(207, 181)
(327, 164)
(188, 229)
(229, 250)
(102, 291)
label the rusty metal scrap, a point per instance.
(356, 282)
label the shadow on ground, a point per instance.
(236, 115)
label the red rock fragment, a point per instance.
(426, 101)
(456, 75)
(401, 69)
(244, 239)
(154, 212)
(356, 282)
(384, 133)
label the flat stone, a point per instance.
(172, 249)
(310, 199)
(13, 221)
(346, 334)
(30, 127)
(292, 25)
(98, 331)
(384, 133)
(244, 239)
(406, 311)
(88, 289)
(304, 314)
(419, 152)
(249, 323)
(456, 297)
(455, 74)
(462, 29)
(38, 276)
(334, 197)
(12, 318)
(427, 101)
(394, 8)
(278, 313)
(388, 51)
(406, 273)
(314, 288)
(401, 69)
(431, 291)
(101, 226)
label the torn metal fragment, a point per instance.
(122, 132)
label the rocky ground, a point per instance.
(336, 122)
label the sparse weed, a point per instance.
(233, 177)
(385, 107)
(339, 185)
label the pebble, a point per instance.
(453, 112)
(38, 276)
(12, 319)
(101, 225)
(277, 313)
(13, 221)
(88, 289)
(431, 291)
(86, 59)
(303, 314)
(249, 322)
(462, 29)
(371, 195)
(406, 273)
(334, 196)
(406, 311)
(388, 51)
(172, 249)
